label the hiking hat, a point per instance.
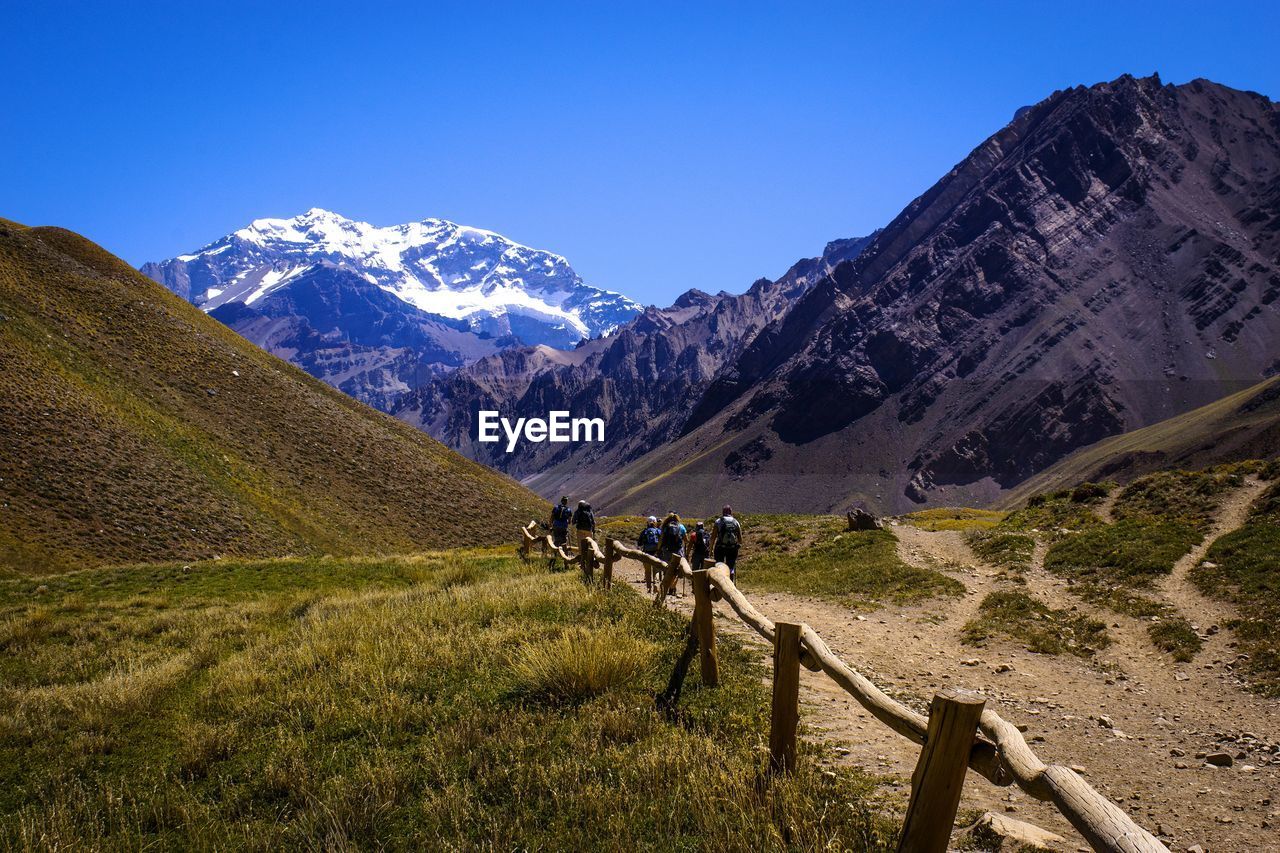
(582, 503)
(700, 525)
(564, 499)
(653, 519)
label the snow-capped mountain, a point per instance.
(490, 285)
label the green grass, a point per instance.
(1243, 567)
(1189, 498)
(815, 555)
(1013, 550)
(954, 518)
(1039, 627)
(1159, 518)
(1129, 553)
(455, 700)
(1059, 512)
(1177, 637)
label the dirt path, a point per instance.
(1206, 614)
(1106, 507)
(1161, 713)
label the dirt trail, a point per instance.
(1106, 507)
(1162, 713)
(1178, 590)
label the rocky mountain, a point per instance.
(645, 380)
(363, 340)
(1108, 260)
(378, 310)
(133, 427)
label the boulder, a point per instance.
(860, 519)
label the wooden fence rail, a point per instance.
(959, 733)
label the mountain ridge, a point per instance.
(1012, 313)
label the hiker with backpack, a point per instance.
(650, 539)
(584, 520)
(699, 545)
(673, 534)
(672, 543)
(726, 538)
(560, 516)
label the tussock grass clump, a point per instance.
(1189, 498)
(954, 518)
(580, 664)
(1159, 518)
(1041, 628)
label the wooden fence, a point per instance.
(959, 734)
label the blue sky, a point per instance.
(658, 147)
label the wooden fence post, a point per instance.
(703, 620)
(939, 775)
(587, 557)
(610, 555)
(785, 714)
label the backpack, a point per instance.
(650, 538)
(671, 541)
(584, 519)
(560, 516)
(700, 541)
(730, 532)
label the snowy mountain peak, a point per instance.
(496, 286)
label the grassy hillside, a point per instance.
(441, 701)
(134, 428)
(1245, 425)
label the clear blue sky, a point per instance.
(658, 147)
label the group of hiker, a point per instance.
(666, 540)
(581, 519)
(672, 538)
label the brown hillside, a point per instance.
(134, 428)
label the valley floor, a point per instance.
(1159, 714)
